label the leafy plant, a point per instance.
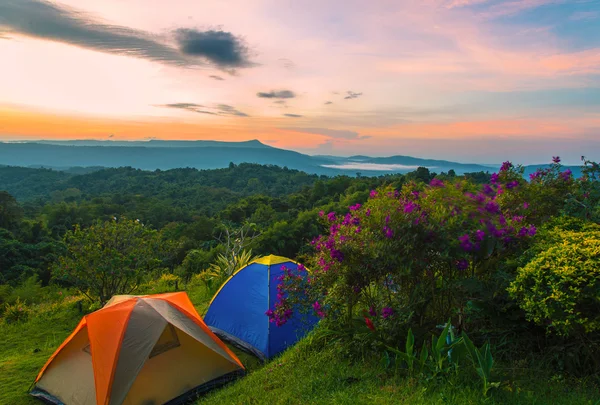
(482, 361)
(17, 312)
(109, 258)
(560, 286)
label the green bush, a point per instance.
(560, 286)
(17, 312)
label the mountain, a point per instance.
(164, 155)
(157, 143)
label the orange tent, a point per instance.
(152, 349)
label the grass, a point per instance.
(305, 374)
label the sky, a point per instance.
(478, 81)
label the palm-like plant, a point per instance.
(225, 266)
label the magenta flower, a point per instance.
(492, 207)
(523, 232)
(415, 194)
(347, 219)
(494, 178)
(368, 212)
(512, 184)
(479, 235)
(462, 264)
(525, 205)
(555, 159)
(465, 243)
(337, 255)
(506, 166)
(487, 189)
(536, 175)
(389, 233)
(386, 312)
(321, 213)
(566, 175)
(436, 183)
(373, 194)
(355, 207)
(358, 230)
(409, 207)
(372, 311)
(532, 230)
(331, 216)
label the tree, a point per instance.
(10, 212)
(109, 258)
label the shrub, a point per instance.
(560, 287)
(17, 312)
(407, 253)
(165, 283)
(110, 258)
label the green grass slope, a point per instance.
(306, 374)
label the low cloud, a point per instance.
(328, 102)
(277, 94)
(218, 109)
(331, 133)
(293, 115)
(186, 47)
(216, 77)
(352, 95)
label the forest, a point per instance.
(500, 273)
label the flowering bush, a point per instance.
(584, 203)
(406, 252)
(17, 312)
(560, 287)
(544, 195)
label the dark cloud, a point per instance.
(332, 133)
(352, 95)
(47, 20)
(293, 115)
(277, 94)
(219, 109)
(216, 77)
(328, 102)
(220, 47)
(184, 106)
(229, 110)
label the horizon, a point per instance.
(473, 81)
(488, 163)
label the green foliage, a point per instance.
(410, 252)
(482, 361)
(225, 266)
(110, 258)
(560, 287)
(448, 354)
(10, 211)
(17, 312)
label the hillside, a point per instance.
(164, 155)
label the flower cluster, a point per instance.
(407, 241)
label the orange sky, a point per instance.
(479, 80)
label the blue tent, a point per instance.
(237, 311)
